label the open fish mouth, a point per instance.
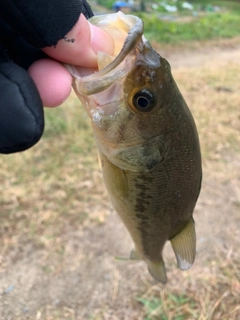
(111, 68)
(104, 86)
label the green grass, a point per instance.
(204, 26)
(223, 4)
(106, 3)
(198, 5)
(161, 308)
(210, 26)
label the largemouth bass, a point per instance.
(147, 141)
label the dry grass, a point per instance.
(58, 235)
(58, 179)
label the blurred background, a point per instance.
(59, 235)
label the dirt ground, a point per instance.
(86, 282)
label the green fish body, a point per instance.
(148, 146)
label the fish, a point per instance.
(148, 145)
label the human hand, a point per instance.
(79, 47)
(21, 99)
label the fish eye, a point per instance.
(143, 100)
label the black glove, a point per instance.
(25, 27)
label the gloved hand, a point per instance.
(25, 27)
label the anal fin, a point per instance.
(184, 246)
(157, 270)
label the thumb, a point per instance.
(80, 46)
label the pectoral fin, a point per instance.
(115, 179)
(184, 246)
(157, 270)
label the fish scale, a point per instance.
(148, 144)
